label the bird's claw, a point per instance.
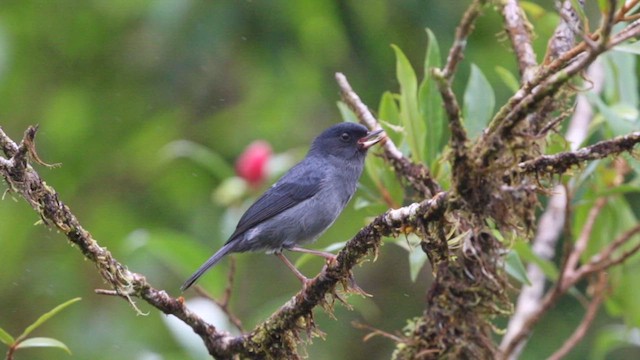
(331, 260)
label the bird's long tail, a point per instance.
(227, 248)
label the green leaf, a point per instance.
(616, 217)
(525, 253)
(199, 154)
(612, 338)
(417, 258)
(43, 342)
(230, 190)
(620, 82)
(534, 10)
(347, 114)
(378, 171)
(618, 125)
(632, 48)
(508, 78)
(42, 319)
(389, 116)
(621, 190)
(414, 126)
(388, 110)
(430, 102)
(622, 301)
(624, 111)
(515, 267)
(479, 101)
(6, 338)
(181, 253)
(602, 4)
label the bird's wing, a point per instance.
(299, 184)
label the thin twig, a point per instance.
(376, 332)
(363, 113)
(587, 320)
(223, 304)
(463, 31)
(459, 138)
(607, 22)
(224, 307)
(444, 78)
(581, 243)
(559, 163)
(605, 259)
(630, 31)
(568, 278)
(626, 7)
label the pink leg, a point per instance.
(329, 256)
(292, 267)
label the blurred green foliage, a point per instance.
(147, 103)
(23, 342)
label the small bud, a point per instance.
(252, 163)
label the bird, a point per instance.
(305, 201)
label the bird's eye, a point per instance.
(345, 137)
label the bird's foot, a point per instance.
(303, 279)
(331, 260)
(327, 255)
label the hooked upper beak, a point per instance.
(372, 138)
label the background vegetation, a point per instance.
(147, 104)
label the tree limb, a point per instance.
(274, 338)
(561, 162)
(519, 31)
(589, 316)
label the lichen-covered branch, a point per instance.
(25, 181)
(563, 38)
(561, 162)
(547, 82)
(444, 78)
(519, 31)
(278, 336)
(459, 138)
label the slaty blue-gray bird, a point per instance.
(302, 204)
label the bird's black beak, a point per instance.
(372, 138)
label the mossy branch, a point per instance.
(278, 336)
(561, 162)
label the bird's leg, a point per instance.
(349, 286)
(293, 268)
(327, 255)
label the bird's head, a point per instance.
(346, 140)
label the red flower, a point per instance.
(252, 163)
